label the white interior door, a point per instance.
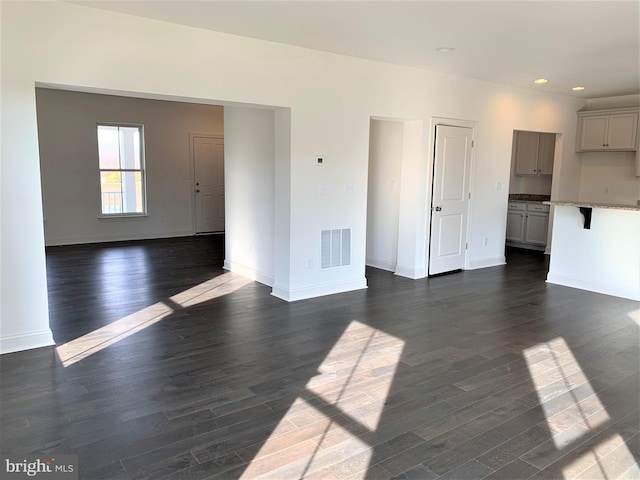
(208, 159)
(450, 199)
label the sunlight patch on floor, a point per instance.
(213, 288)
(97, 340)
(584, 413)
(363, 354)
(608, 459)
(585, 409)
(339, 406)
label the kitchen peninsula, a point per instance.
(596, 247)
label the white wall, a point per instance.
(534, 184)
(328, 101)
(282, 202)
(383, 195)
(579, 260)
(622, 101)
(415, 184)
(250, 196)
(609, 177)
(69, 164)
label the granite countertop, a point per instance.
(528, 197)
(572, 203)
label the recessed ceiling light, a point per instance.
(445, 49)
(540, 81)
(578, 89)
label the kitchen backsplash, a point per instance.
(528, 197)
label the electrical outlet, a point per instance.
(486, 241)
(309, 263)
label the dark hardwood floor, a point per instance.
(166, 366)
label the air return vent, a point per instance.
(336, 247)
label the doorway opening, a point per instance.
(532, 162)
(181, 158)
(383, 193)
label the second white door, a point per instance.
(450, 199)
(208, 159)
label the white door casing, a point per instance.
(208, 161)
(450, 199)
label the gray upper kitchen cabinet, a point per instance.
(546, 152)
(611, 130)
(534, 153)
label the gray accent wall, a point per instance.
(69, 164)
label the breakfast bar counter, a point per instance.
(596, 247)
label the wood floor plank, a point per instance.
(470, 470)
(466, 451)
(419, 472)
(515, 470)
(486, 373)
(509, 451)
(423, 452)
(620, 462)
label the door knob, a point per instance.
(197, 190)
(438, 209)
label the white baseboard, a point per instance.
(487, 262)
(248, 272)
(381, 264)
(26, 341)
(293, 294)
(410, 272)
(623, 291)
(54, 242)
(526, 246)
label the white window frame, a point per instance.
(142, 171)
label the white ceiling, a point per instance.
(591, 43)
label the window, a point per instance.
(121, 158)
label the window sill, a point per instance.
(122, 216)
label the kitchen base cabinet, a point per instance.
(527, 225)
(537, 227)
(515, 222)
